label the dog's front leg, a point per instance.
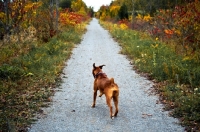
(94, 98)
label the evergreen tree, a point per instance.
(65, 4)
(123, 12)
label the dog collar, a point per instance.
(104, 75)
(95, 76)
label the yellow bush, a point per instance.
(103, 16)
(123, 26)
(147, 18)
(2, 16)
(139, 16)
(115, 26)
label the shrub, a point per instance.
(178, 76)
(10, 72)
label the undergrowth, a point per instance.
(28, 75)
(177, 77)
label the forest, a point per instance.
(161, 37)
(37, 37)
(162, 40)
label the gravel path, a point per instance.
(71, 107)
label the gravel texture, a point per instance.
(71, 107)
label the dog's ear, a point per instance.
(101, 66)
(94, 65)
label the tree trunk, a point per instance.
(51, 24)
(7, 26)
(132, 13)
(57, 14)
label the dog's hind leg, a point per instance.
(94, 98)
(108, 100)
(115, 100)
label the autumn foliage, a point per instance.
(165, 46)
(42, 17)
(178, 25)
(36, 38)
(68, 18)
(181, 24)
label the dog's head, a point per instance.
(96, 70)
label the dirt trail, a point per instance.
(71, 107)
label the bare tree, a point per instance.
(57, 14)
(54, 19)
(6, 24)
(133, 10)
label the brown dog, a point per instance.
(105, 86)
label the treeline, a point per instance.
(120, 9)
(174, 22)
(42, 15)
(37, 37)
(162, 37)
(77, 6)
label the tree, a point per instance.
(77, 5)
(103, 12)
(65, 4)
(13, 14)
(123, 12)
(57, 13)
(91, 11)
(114, 11)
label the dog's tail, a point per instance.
(115, 87)
(112, 81)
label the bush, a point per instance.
(28, 79)
(10, 72)
(178, 77)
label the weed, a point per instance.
(27, 80)
(10, 72)
(178, 76)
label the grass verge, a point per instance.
(177, 78)
(29, 72)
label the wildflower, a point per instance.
(156, 38)
(196, 89)
(137, 61)
(178, 32)
(123, 26)
(154, 59)
(168, 31)
(147, 18)
(2, 15)
(30, 74)
(115, 25)
(143, 55)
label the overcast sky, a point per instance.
(96, 4)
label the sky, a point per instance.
(96, 4)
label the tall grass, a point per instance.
(27, 78)
(178, 76)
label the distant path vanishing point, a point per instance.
(71, 107)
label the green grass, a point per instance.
(178, 77)
(28, 75)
